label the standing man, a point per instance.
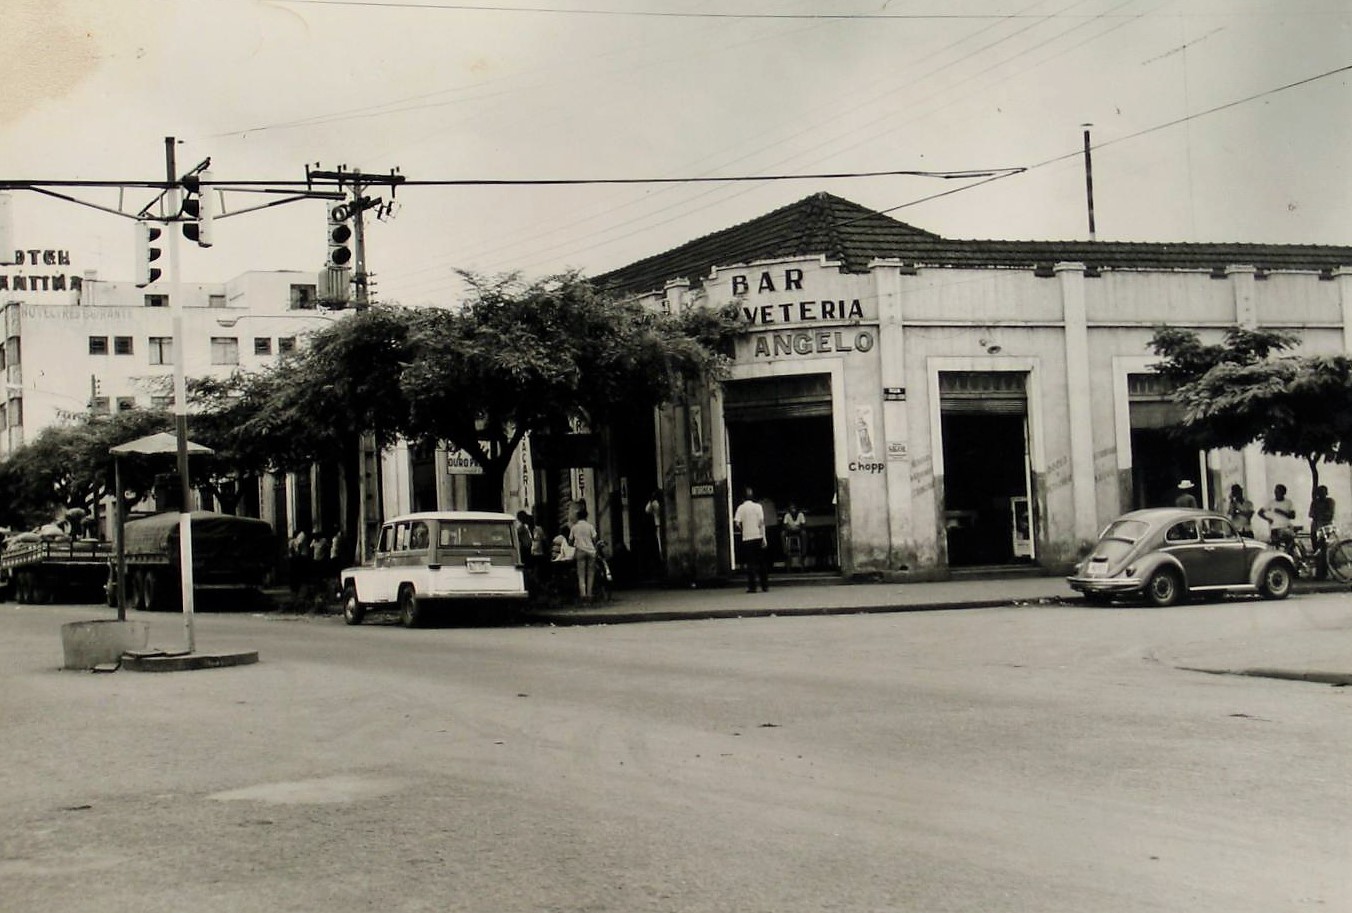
(1280, 513)
(1240, 512)
(654, 511)
(1322, 508)
(750, 523)
(1185, 497)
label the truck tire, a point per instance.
(410, 612)
(135, 597)
(152, 590)
(353, 610)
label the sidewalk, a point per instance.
(1320, 651)
(817, 596)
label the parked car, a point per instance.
(445, 559)
(1164, 554)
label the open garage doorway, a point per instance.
(984, 430)
(781, 442)
(1160, 459)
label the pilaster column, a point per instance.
(1079, 411)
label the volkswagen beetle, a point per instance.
(1164, 554)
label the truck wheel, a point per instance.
(152, 593)
(353, 610)
(135, 599)
(410, 613)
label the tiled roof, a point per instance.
(823, 224)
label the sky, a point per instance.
(1213, 121)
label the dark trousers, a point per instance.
(754, 557)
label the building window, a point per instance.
(215, 301)
(98, 345)
(286, 344)
(224, 350)
(100, 405)
(121, 345)
(162, 402)
(16, 413)
(4, 417)
(157, 301)
(12, 352)
(161, 350)
(126, 403)
(304, 297)
(262, 345)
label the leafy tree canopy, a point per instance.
(1245, 390)
(527, 357)
(68, 466)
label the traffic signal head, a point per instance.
(199, 208)
(340, 237)
(146, 254)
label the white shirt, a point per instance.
(750, 519)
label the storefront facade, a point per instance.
(936, 405)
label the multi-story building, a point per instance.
(74, 344)
(936, 404)
(77, 344)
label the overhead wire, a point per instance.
(935, 97)
(862, 103)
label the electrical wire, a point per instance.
(652, 14)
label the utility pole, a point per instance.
(360, 183)
(1089, 180)
(180, 399)
(368, 457)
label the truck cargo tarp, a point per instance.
(215, 536)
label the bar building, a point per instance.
(937, 406)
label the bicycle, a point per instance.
(1319, 552)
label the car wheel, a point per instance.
(353, 610)
(1276, 583)
(1164, 588)
(410, 613)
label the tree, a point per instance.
(1244, 391)
(521, 358)
(68, 466)
(316, 405)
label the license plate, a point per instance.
(1096, 569)
(477, 565)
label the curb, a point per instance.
(1337, 679)
(157, 661)
(563, 618)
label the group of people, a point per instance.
(577, 546)
(316, 556)
(1279, 513)
(749, 521)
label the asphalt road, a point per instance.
(1034, 758)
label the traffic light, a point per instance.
(199, 208)
(340, 237)
(146, 235)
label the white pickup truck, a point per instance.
(443, 558)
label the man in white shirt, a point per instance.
(750, 523)
(1280, 514)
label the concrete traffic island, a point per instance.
(166, 661)
(87, 644)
